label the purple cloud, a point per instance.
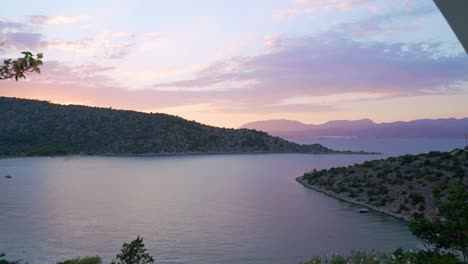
(328, 64)
(23, 40)
(17, 35)
(7, 25)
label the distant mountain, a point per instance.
(365, 128)
(32, 127)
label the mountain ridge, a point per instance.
(365, 128)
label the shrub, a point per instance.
(368, 164)
(421, 207)
(433, 154)
(403, 207)
(422, 257)
(398, 256)
(416, 198)
(2, 261)
(383, 190)
(407, 159)
(417, 215)
(134, 253)
(382, 202)
(436, 193)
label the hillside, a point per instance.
(405, 187)
(365, 128)
(32, 127)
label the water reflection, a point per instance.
(191, 209)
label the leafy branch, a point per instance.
(17, 69)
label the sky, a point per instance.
(226, 63)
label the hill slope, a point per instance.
(32, 127)
(365, 128)
(405, 187)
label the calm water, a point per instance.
(189, 209)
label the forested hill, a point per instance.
(32, 127)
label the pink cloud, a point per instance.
(314, 6)
(323, 65)
(23, 40)
(327, 64)
(55, 20)
(342, 5)
(14, 35)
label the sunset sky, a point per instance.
(226, 63)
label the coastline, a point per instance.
(194, 154)
(350, 200)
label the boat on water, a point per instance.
(363, 210)
(8, 176)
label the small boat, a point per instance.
(363, 210)
(8, 176)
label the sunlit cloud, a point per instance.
(334, 99)
(55, 20)
(326, 59)
(114, 45)
(311, 7)
(328, 64)
(272, 42)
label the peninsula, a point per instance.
(405, 187)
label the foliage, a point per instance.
(32, 127)
(416, 198)
(408, 186)
(134, 253)
(17, 69)
(399, 256)
(3, 261)
(85, 260)
(436, 193)
(450, 230)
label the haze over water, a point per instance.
(191, 209)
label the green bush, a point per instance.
(416, 198)
(134, 253)
(408, 159)
(436, 193)
(399, 256)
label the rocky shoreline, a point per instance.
(344, 198)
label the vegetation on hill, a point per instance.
(429, 189)
(407, 187)
(32, 127)
(449, 230)
(398, 256)
(445, 237)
